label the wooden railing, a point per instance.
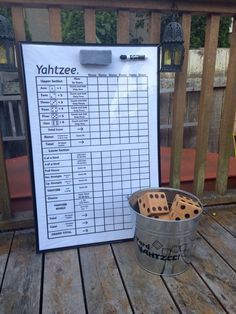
(214, 10)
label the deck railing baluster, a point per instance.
(227, 119)
(5, 208)
(206, 101)
(155, 28)
(54, 15)
(18, 23)
(123, 27)
(179, 104)
(90, 26)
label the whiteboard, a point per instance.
(94, 139)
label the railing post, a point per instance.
(5, 207)
(155, 28)
(179, 105)
(206, 102)
(123, 27)
(90, 26)
(54, 15)
(18, 23)
(227, 119)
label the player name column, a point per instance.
(57, 159)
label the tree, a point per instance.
(106, 27)
(73, 26)
(198, 25)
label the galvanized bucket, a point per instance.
(164, 247)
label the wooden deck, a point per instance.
(107, 279)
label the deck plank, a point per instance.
(62, 287)
(219, 238)
(21, 287)
(191, 294)
(147, 292)
(216, 273)
(209, 286)
(226, 218)
(5, 244)
(103, 286)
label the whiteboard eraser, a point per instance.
(95, 57)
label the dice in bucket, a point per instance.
(154, 204)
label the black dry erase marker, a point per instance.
(133, 57)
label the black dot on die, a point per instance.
(182, 206)
(196, 211)
(144, 205)
(154, 208)
(159, 208)
(156, 196)
(177, 218)
(165, 208)
(148, 210)
(140, 201)
(162, 196)
(151, 195)
(186, 215)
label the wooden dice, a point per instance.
(162, 216)
(184, 208)
(153, 204)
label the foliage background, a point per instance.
(73, 27)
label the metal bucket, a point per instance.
(164, 247)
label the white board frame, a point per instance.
(30, 55)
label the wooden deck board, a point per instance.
(148, 293)
(216, 273)
(226, 218)
(191, 294)
(5, 244)
(219, 238)
(103, 286)
(21, 286)
(107, 278)
(62, 287)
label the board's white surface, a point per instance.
(55, 99)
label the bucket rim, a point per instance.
(185, 221)
(133, 195)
